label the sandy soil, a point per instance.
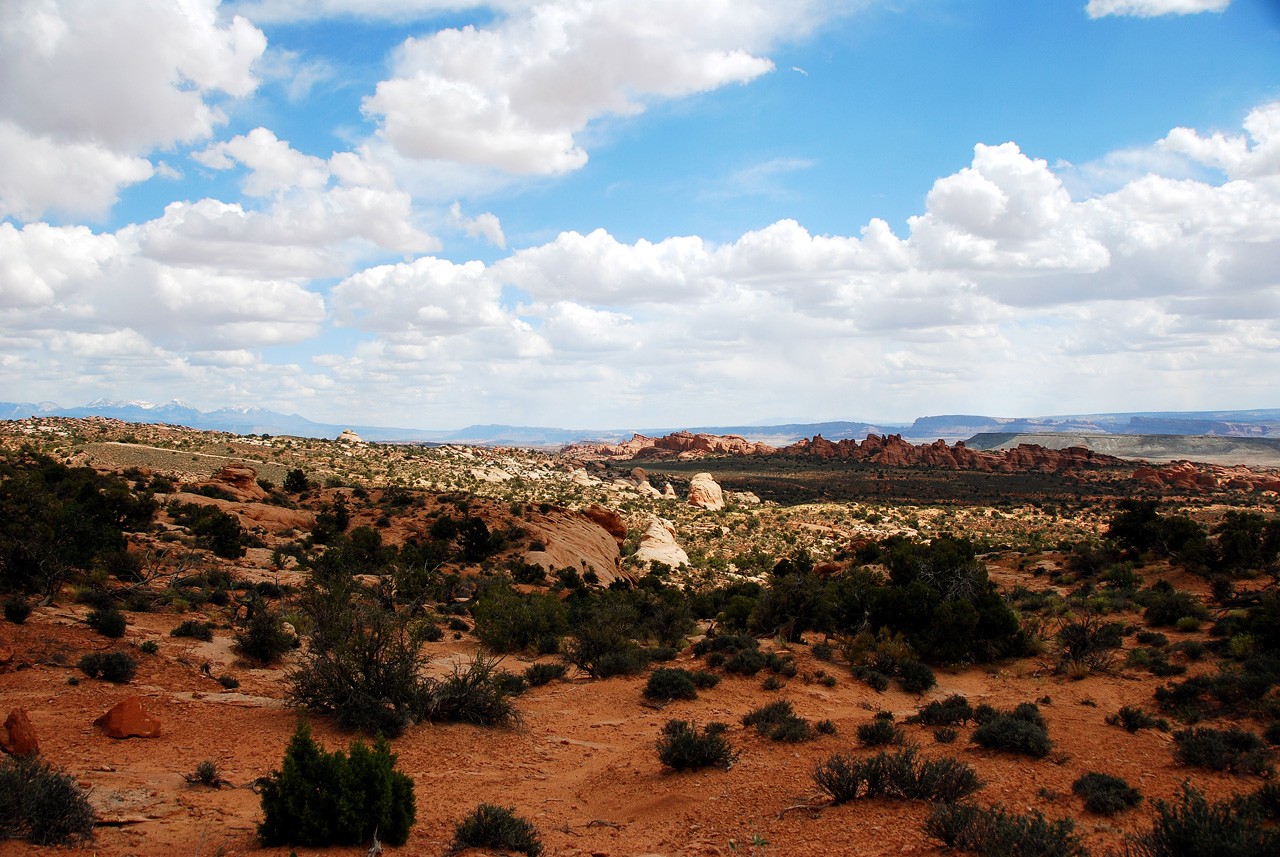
(581, 766)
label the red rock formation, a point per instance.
(681, 444)
(128, 719)
(240, 480)
(893, 451)
(609, 519)
(1189, 478)
(18, 737)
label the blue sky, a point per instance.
(611, 213)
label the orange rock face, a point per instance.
(609, 519)
(18, 737)
(893, 451)
(240, 480)
(128, 719)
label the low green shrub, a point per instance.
(704, 680)
(149, 647)
(995, 832)
(16, 610)
(107, 621)
(472, 695)
(1233, 750)
(1022, 730)
(322, 798)
(778, 721)
(496, 828)
(945, 734)
(1106, 794)
(1194, 827)
(745, 662)
(1135, 719)
(194, 629)
(901, 775)
(683, 747)
(947, 712)
(263, 640)
(916, 677)
(116, 666)
(666, 683)
(42, 804)
(540, 674)
(882, 730)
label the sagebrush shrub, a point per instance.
(1106, 794)
(540, 674)
(41, 803)
(263, 640)
(1022, 730)
(16, 609)
(681, 746)
(947, 712)
(116, 666)
(321, 798)
(900, 775)
(995, 832)
(668, 683)
(1233, 750)
(472, 695)
(880, 731)
(916, 677)
(107, 621)
(1196, 828)
(496, 828)
(1135, 719)
(194, 629)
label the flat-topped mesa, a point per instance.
(893, 451)
(682, 444)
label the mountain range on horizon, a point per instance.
(255, 420)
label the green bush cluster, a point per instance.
(322, 798)
(1106, 794)
(1022, 730)
(1233, 750)
(996, 832)
(194, 629)
(778, 721)
(496, 828)
(42, 804)
(900, 775)
(881, 730)
(946, 712)
(1135, 719)
(683, 746)
(1194, 827)
(115, 666)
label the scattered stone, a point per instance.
(128, 719)
(18, 736)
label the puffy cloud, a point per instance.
(1153, 8)
(486, 224)
(1254, 154)
(88, 87)
(516, 95)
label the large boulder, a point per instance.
(609, 519)
(705, 493)
(576, 540)
(659, 543)
(129, 719)
(18, 736)
(241, 481)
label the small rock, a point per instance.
(18, 737)
(128, 719)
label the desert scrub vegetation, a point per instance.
(996, 832)
(1086, 645)
(193, 628)
(845, 777)
(364, 665)
(1135, 719)
(115, 666)
(955, 709)
(881, 730)
(496, 828)
(1106, 794)
(682, 746)
(59, 520)
(42, 804)
(1233, 750)
(322, 798)
(666, 683)
(1194, 827)
(778, 721)
(1021, 730)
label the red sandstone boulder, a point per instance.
(609, 519)
(128, 719)
(18, 736)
